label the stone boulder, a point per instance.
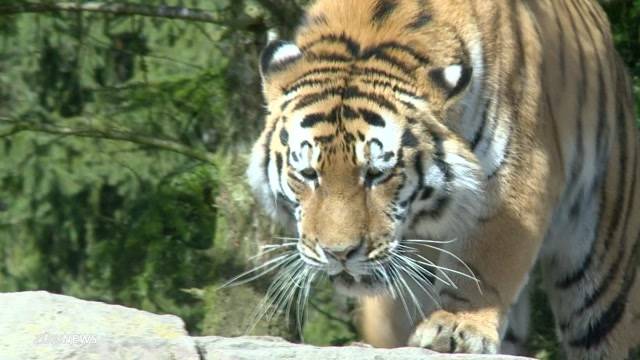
(40, 325)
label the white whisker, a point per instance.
(471, 274)
(395, 275)
(430, 263)
(420, 280)
(270, 265)
(416, 303)
(421, 241)
(274, 292)
(416, 265)
(383, 271)
(286, 238)
(302, 301)
(283, 300)
(267, 249)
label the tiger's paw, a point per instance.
(443, 331)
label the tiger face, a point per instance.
(355, 154)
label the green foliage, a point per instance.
(625, 23)
(543, 341)
(130, 223)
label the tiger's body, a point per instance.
(506, 125)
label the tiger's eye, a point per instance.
(309, 174)
(371, 175)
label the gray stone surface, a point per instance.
(40, 325)
(266, 348)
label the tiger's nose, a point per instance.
(343, 252)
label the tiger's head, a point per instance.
(362, 149)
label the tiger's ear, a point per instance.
(452, 79)
(277, 56)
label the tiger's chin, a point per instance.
(362, 286)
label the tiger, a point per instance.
(429, 154)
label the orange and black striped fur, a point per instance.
(407, 138)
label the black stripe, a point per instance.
(324, 56)
(311, 99)
(483, 124)
(420, 20)
(488, 140)
(602, 127)
(561, 44)
(322, 71)
(372, 118)
(389, 216)
(350, 44)
(395, 46)
(348, 113)
(324, 139)
(306, 82)
(518, 79)
(311, 120)
(505, 155)
(427, 192)
(383, 10)
(352, 92)
(417, 163)
(408, 105)
(409, 139)
(619, 201)
(596, 18)
(602, 132)
(386, 179)
(279, 166)
(598, 330)
(608, 280)
(577, 163)
(294, 177)
(285, 104)
(286, 203)
(368, 70)
(380, 55)
(622, 134)
(390, 85)
(436, 211)
(284, 136)
(439, 157)
(496, 98)
(388, 155)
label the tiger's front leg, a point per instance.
(500, 253)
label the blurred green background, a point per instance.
(124, 137)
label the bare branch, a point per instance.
(110, 134)
(160, 11)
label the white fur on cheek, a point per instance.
(300, 135)
(257, 180)
(389, 136)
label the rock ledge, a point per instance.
(40, 325)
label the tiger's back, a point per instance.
(507, 124)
